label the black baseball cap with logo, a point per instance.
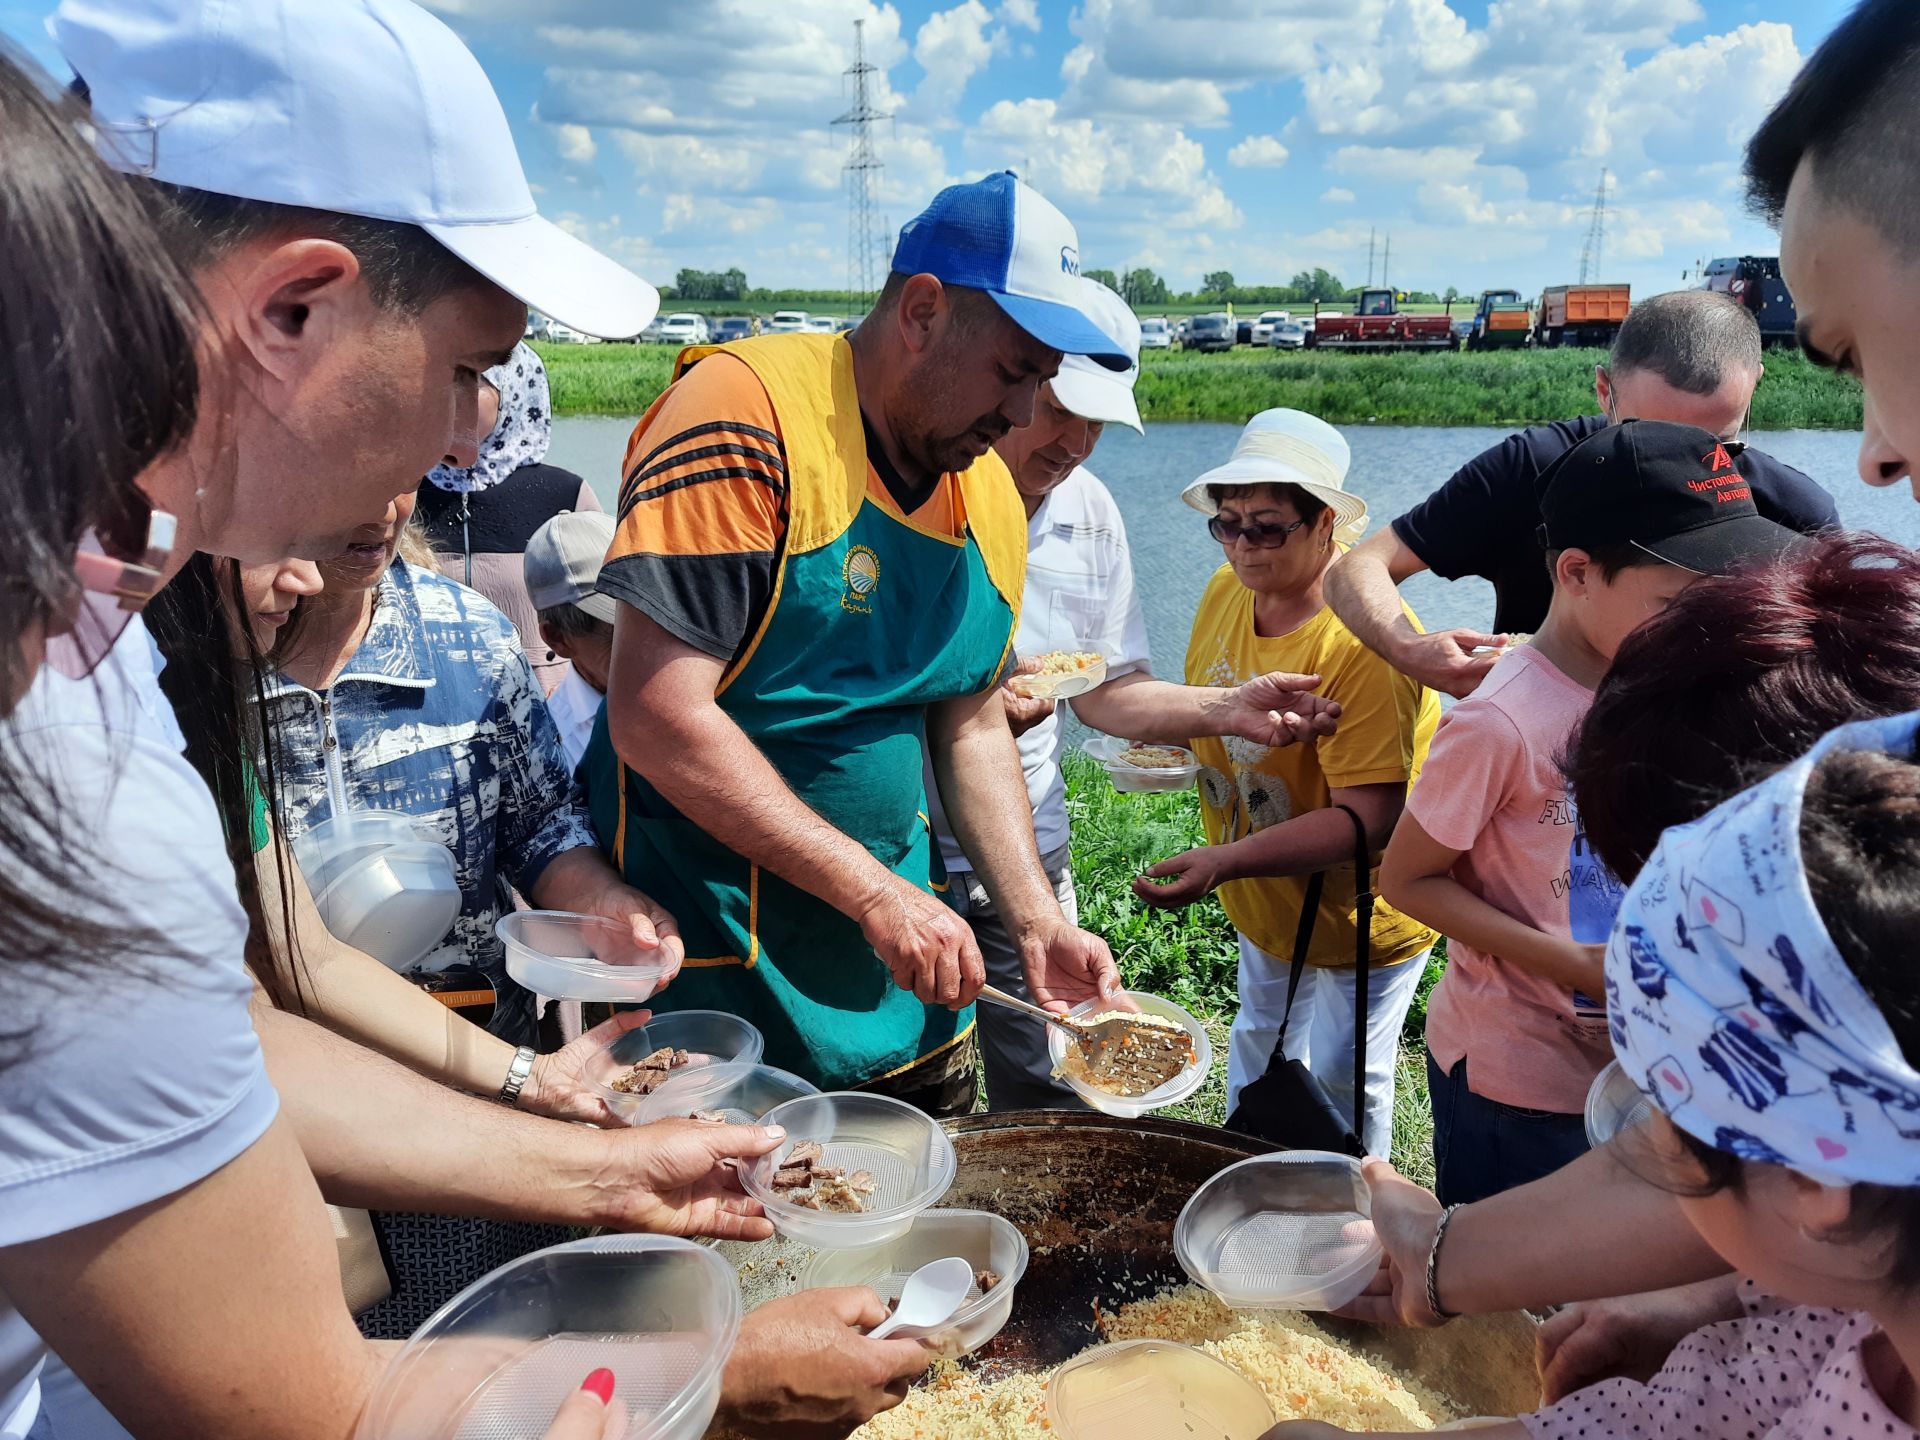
(1674, 491)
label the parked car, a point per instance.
(733, 327)
(1156, 334)
(1269, 321)
(1288, 335)
(538, 326)
(1209, 332)
(1243, 330)
(1180, 328)
(847, 323)
(822, 325)
(786, 322)
(684, 329)
(567, 335)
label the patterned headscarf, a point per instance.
(1731, 1008)
(519, 436)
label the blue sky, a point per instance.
(1256, 136)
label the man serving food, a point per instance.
(819, 565)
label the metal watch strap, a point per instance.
(517, 1074)
(1433, 1264)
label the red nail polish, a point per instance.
(600, 1383)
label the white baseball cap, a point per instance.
(1088, 388)
(562, 562)
(1289, 447)
(360, 107)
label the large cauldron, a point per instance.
(1097, 1198)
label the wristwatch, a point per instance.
(517, 1074)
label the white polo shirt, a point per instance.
(143, 1075)
(1079, 585)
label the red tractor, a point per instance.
(1377, 324)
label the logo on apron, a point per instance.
(862, 576)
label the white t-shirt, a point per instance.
(143, 1074)
(1079, 587)
(574, 705)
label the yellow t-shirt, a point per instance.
(1386, 723)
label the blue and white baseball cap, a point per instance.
(1002, 236)
(1086, 386)
(359, 107)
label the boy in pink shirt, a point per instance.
(1517, 1028)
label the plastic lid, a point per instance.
(1131, 1107)
(906, 1152)
(578, 957)
(497, 1360)
(1154, 1390)
(739, 1091)
(1289, 1231)
(1614, 1103)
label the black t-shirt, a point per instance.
(1483, 520)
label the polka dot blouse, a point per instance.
(1776, 1374)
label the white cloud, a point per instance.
(1258, 150)
(1024, 14)
(1337, 195)
(952, 46)
(575, 143)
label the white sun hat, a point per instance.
(1088, 388)
(360, 107)
(1289, 447)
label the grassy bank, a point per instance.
(1445, 388)
(1190, 955)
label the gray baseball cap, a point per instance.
(563, 563)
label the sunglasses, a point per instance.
(1261, 537)
(115, 576)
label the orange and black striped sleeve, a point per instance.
(703, 509)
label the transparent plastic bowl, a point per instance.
(495, 1362)
(1154, 1390)
(1061, 687)
(710, 1038)
(739, 1091)
(1133, 779)
(394, 902)
(1292, 1231)
(1614, 1103)
(984, 1241)
(330, 848)
(578, 957)
(1132, 1107)
(907, 1152)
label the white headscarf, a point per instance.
(519, 437)
(1733, 1011)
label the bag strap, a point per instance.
(1302, 938)
(1362, 963)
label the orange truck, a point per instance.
(1581, 314)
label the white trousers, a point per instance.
(1320, 1035)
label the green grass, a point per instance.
(1436, 388)
(1191, 955)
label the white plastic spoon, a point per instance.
(932, 1294)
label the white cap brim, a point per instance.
(1096, 394)
(564, 278)
(1349, 510)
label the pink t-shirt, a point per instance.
(1776, 1374)
(1493, 789)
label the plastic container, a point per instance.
(1614, 1103)
(1132, 1107)
(1292, 1231)
(739, 1091)
(578, 957)
(1154, 1390)
(496, 1361)
(906, 1151)
(710, 1038)
(382, 883)
(984, 1241)
(1139, 780)
(1062, 686)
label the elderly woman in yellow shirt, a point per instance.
(1281, 512)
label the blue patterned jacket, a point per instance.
(438, 715)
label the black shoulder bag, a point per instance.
(1287, 1105)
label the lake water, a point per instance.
(1394, 467)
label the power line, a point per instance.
(1592, 253)
(866, 233)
